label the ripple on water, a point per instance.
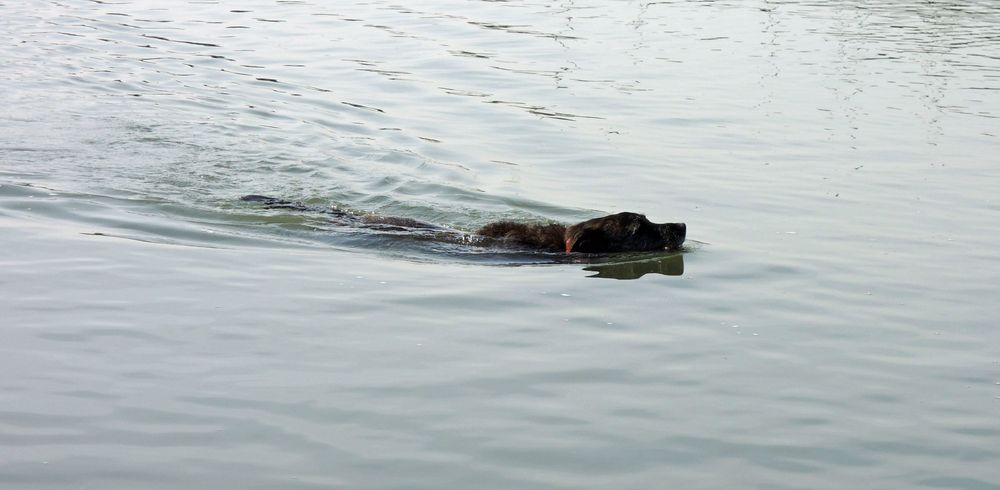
(830, 326)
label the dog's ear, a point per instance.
(633, 224)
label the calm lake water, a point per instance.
(831, 324)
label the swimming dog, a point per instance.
(621, 232)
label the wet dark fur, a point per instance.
(622, 232)
(535, 236)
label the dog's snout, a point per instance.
(673, 234)
(678, 230)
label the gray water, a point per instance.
(831, 323)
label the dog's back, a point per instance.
(548, 237)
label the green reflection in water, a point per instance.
(671, 265)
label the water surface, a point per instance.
(832, 324)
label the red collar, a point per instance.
(569, 246)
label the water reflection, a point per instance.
(672, 265)
(940, 42)
(399, 352)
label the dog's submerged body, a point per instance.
(621, 232)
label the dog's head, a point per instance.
(623, 232)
